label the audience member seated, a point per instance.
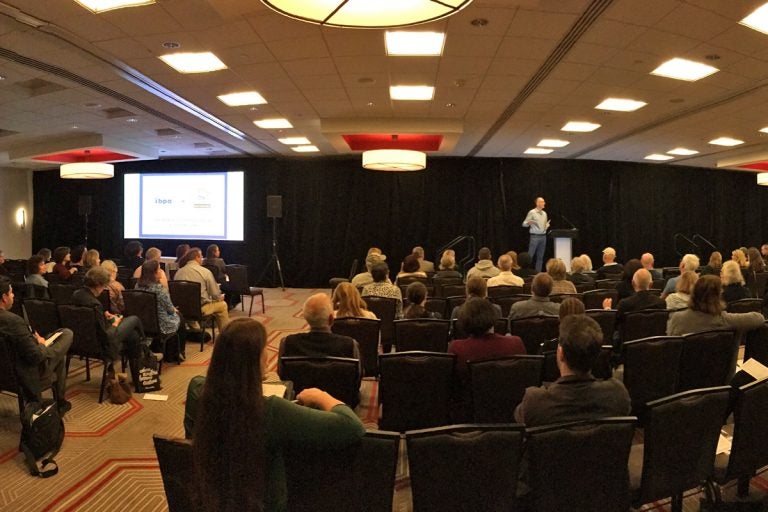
(3, 270)
(756, 266)
(447, 268)
(46, 255)
(610, 266)
(578, 272)
(239, 434)
(211, 300)
(588, 264)
(365, 278)
(576, 395)
(505, 277)
(347, 302)
(642, 299)
(424, 265)
(416, 293)
(647, 261)
(513, 256)
(740, 257)
(410, 268)
(706, 312)
(764, 253)
(117, 334)
(133, 255)
(556, 270)
(624, 287)
(62, 257)
(319, 341)
(91, 259)
(153, 254)
(181, 251)
(688, 262)
(526, 266)
(539, 303)
(115, 287)
(478, 288)
(476, 319)
(683, 289)
(78, 257)
(713, 267)
(33, 359)
(484, 266)
(35, 271)
(213, 259)
(733, 283)
(381, 287)
(168, 316)
(571, 306)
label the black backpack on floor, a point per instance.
(42, 432)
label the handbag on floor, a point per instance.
(146, 375)
(118, 389)
(42, 432)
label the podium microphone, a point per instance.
(568, 221)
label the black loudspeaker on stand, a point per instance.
(274, 212)
(84, 205)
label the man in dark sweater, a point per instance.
(319, 341)
(642, 299)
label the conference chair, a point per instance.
(403, 283)
(669, 272)
(651, 369)
(756, 344)
(708, 359)
(238, 283)
(10, 381)
(560, 297)
(339, 376)
(143, 304)
(336, 281)
(507, 301)
(61, 293)
(609, 283)
(658, 284)
(749, 451)
(534, 330)
(366, 332)
(678, 449)
(603, 368)
(645, 323)
(593, 299)
(43, 315)
(580, 466)
(455, 301)
(106, 302)
(463, 468)
(504, 291)
(497, 385)
(82, 321)
(177, 468)
(385, 310)
(415, 390)
(761, 278)
(745, 306)
(584, 287)
(607, 320)
(349, 479)
(454, 290)
(437, 305)
(185, 295)
(35, 291)
(440, 282)
(501, 326)
(425, 334)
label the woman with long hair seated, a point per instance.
(347, 302)
(239, 434)
(115, 287)
(682, 295)
(168, 316)
(416, 293)
(410, 268)
(733, 282)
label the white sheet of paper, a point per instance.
(159, 398)
(53, 338)
(755, 369)
(723, 445)
(273, 389)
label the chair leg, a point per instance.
(263, 309)
(103, 383)
(250, 308)
(743, 487)
(87, 371)
(677, 503)
(21, 403)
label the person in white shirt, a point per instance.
(212, 300)
(538, 223)
(505, 277)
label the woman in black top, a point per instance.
(416, 293)
(733, 283)
(526, 266)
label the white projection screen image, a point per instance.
(184, 206)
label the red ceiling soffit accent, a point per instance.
(412, 141)
(758, 166)
(80, 155)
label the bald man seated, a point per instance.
(319, 341)
(642, 299)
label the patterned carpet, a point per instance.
(108, 462)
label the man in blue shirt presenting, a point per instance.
(538, 223)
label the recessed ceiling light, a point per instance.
(580, 126)
(620, 104)
(132, 120)
(291, 141)
(764, 130)
(238, 99)
(200, 62)
(658, 157)
(552, 143)
(726, 141)
(538, 151)
(683, 69)
(682, 152)
(411, 92)
(758, 20)
(273, 124)
(414, 43)
(98, 6)
(305, 149)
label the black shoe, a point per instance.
(64, 407)
(207, 337)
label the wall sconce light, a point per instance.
(21, 218)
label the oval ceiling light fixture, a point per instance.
(397, 160)
(762, 179)
(87, 171)
(367, 13)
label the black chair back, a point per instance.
(35, 291)
(745, 306)
(143, 304)
(415, 390)
(437, 305)
(680, 437)
(560, 297)
(238, 278)
(362, 475)
(584, 287)
(534, 330)
(643, 324)
(504, 291)
(593, 299)
(8, 381)
(385, 310)
(761, 278)
(756, 344)
(559, 454)
(498, 386)
(366, 332)
(106, 302)
(507, 301)
(464, 467)
(61, 293)
(43, 315)
(501, 325)
(177, 469)
(607, 320)
(338, 376)
(454, 290)
(651, 369)
(455, 301)
(82, 321)
(185, 295)
(425, 334)
(708, 359)
(609, 283)
(440, 282)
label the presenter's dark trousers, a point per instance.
(536, 249)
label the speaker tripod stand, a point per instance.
(274, 261)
